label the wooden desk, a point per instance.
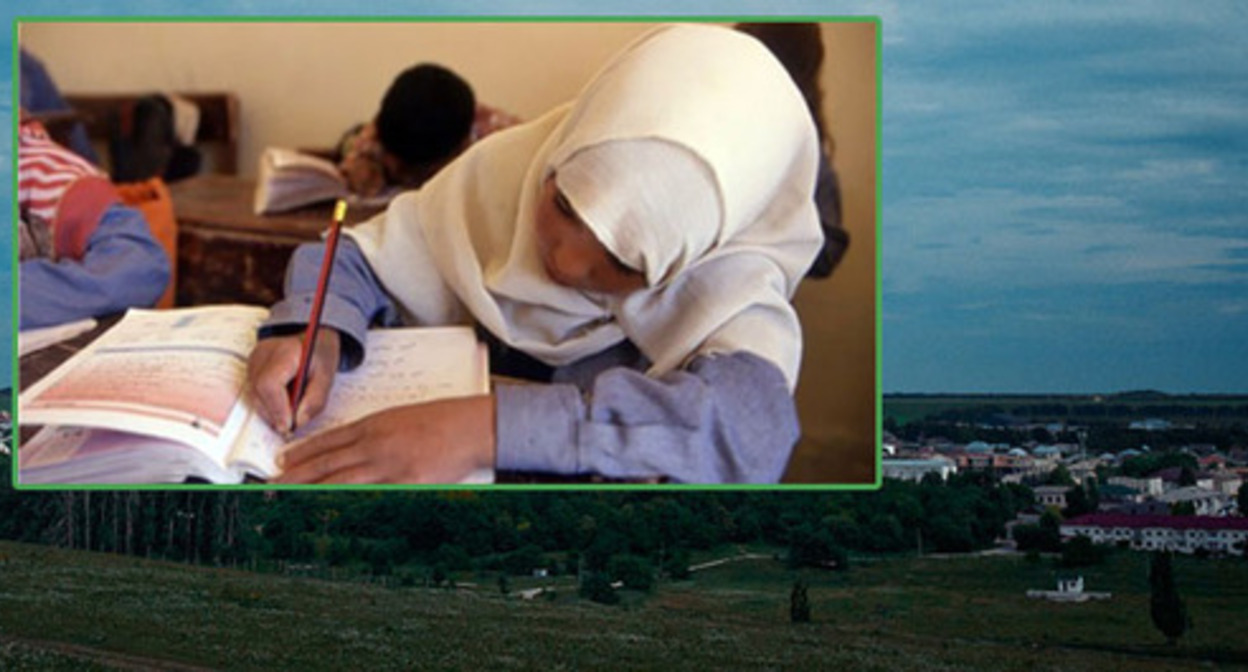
(229, 254)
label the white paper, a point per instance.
(33, 340)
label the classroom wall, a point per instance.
(302, 84)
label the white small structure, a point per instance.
(1068, 590)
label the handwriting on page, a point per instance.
(399, 371)
(186, 367)
(196, 386)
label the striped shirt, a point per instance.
(46, 171)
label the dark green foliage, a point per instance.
(814, 546)
(596, 586)
(1150, 463)
(1079, 501)
(799, 603)
(1036, 538)
(1183, 509)
(524, 560)
(385, 533)
(1060, 476)
(1187, 476)
(676, 564)
(438, 574)
(633, 570)
(1165, 606)
(1081, 552)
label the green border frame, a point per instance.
(536, 487)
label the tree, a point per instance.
(633, 570)
(799, 603)
(1165, 606)
(1077, 502)
(596, 586)
(1081, 552)
(1060, 476)
(813, 546)
(676, 564)
(1187, 476)
(1183, 509)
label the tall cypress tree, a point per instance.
(1166, 607)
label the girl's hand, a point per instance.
(272, 368)
(440, 441)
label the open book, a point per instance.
(288, 179)
(161, 397)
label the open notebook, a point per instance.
(161, 397)
(288, 179)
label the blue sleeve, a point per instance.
(724, 419)
(356, 299)
(123, 267)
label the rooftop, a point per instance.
(1146, 521)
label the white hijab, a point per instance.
(692, 158)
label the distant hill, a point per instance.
(1118, 407)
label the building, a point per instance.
(1204, 501)
(1227, 482)
(1082, 470)
(915, 470)
(1150, 486)
(1051, 495)
(1182, 534)
(1172, 477)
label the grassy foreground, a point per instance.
(70, 610)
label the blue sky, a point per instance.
(1063, 200)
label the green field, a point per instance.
(62, 609)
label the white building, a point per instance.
(1151, 486)
(1051, 495)
(915, 470)
(1183, 534)
(1151, 425)
(1205, 501)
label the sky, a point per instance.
(1063, 200)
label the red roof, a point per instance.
(1171, 522)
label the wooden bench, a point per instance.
(217, 131)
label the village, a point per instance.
(1186, 499)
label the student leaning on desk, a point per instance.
(635, 250)
(82, 253)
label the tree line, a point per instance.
(515, 531)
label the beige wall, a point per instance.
(302, 84)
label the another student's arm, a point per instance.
(123, 267)
(726, 418)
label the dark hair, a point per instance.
(426, 114)
(799, 47)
